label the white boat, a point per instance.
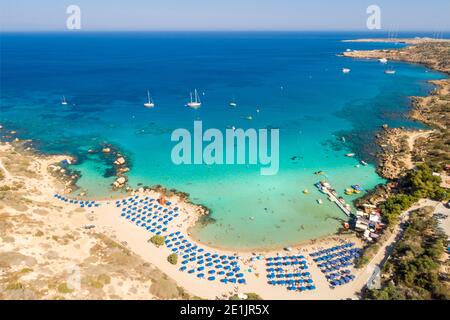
(346, 70)
(63, 101)
(195, 101)
(149, 103)
(389, 71)
(319, 201)
(364, 163)
(350, 155)
(383, 60)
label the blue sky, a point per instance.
(42, 15)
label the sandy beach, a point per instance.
(69, 234)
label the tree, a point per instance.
(157, 240)
(173, 258)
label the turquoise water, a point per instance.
(294, 79)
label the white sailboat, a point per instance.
(346, 70)
(149, 103)
(194, 101)
(383, 60)
(63, 101)
(389, 71)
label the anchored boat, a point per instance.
(149, 103)
(194, 102)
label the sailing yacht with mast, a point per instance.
(150, 103)
(194, 101)
(63, 101)
(389, 70)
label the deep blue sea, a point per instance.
(293, 79)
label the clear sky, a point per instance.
(398, 15)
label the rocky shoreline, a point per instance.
(403, 149)
(399, 146)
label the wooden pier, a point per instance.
(333, 198)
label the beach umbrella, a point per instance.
(212, 278)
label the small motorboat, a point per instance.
(350, 155)
(346, 70)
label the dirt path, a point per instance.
(412, 138)
(385, 251)
(5, 172)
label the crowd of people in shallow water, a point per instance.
(290, 271)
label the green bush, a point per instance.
(173, 258)
(157, 240)
(419, 183)
(64, 288)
